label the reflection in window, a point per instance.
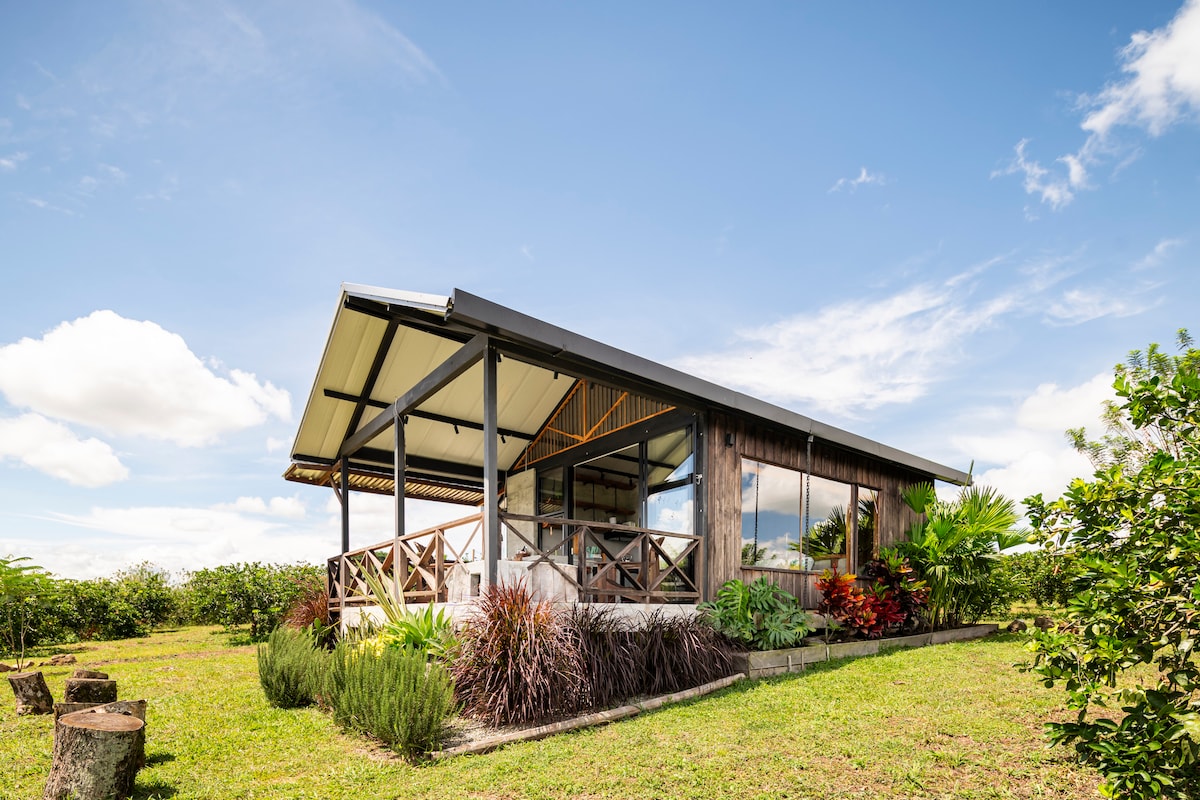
(770, 512)
(790, 519)
(866, 525)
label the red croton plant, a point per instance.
(893, 603)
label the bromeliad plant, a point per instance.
(758, 615)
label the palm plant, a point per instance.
(955, 546)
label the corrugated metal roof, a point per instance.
(406, 334)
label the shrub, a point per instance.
(758, 615)
(1045, 577)
(891, 572)
(290, 668)
(679, 652)
(610, 654)
(251, 594)
(955, 546)
(391, 693)
(1135, 527)
(517, 660)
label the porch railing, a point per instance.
(604, 562)
(607, 562)
(422, 559)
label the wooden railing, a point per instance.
(422, 558)
(610, 563)
(603, 562)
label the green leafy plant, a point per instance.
(518, 660)
(24, 590)
(391, 693)
(429, 631)
(758, 615)
(1135, 527)
(290, 668)
(954, 548)
(250, 594)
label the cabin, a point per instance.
(593, 474)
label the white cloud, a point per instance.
(282, 507)
(1026, 446)
(1056, 190)
(864, 178)
(1084, 305)
(1160, 87)
(856, 355)
(177, 538)
(275, 444)
(1158, 254)
(11, 161)
(52, 448)
(133, 378)
(182, 538)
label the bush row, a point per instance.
(133, 601)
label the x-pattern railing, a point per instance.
(638, 567)
(625, 563)
(422, 558)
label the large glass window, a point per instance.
(793, 519)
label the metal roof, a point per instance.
(383, 341)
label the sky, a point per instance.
(935, 225)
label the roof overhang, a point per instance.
(384, 342)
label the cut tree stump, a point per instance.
(96, 756)
(61, 709)
(131, 708)
(89, 673)
(90, 690)
(33, 695)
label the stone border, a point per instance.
(586, 721)
(796, 659)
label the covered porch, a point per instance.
(581, 479)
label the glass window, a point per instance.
(770, 513)
(790, 519)
(867, 500)
(826, 528)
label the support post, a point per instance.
(398, 467)
(345, 498)
(491, 468)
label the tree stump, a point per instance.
(89, 673)
(62, 709)
(132, 708)
(96, 756)
(33, 695)
(90, 690)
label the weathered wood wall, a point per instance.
(773, 446)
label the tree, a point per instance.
(23, 589)
(1125, 444)
(1136, 529)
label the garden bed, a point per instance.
(763, 664)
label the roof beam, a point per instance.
(462, 423)
(385, 344)
(441, 376)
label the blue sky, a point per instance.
(935, 225)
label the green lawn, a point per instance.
(953, 721)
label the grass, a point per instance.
(954, 721)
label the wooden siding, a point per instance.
(787, 449)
